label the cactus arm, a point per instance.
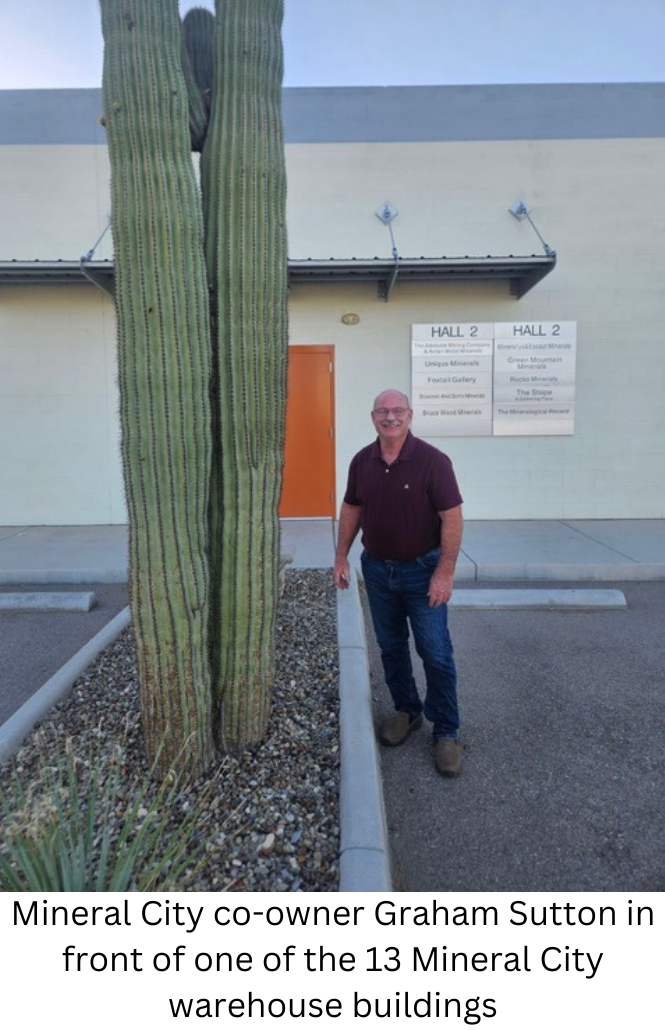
(198, 28)
(198, 31)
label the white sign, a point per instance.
(451, 379)
(534, 378)
(501, 379)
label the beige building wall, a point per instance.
(598, 203)
(59, 432)
(55, 201)
(59, 428)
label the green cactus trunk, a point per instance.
(244, 196)
(164, 372)
(203, 479)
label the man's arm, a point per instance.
(441, 583)
(347, 531)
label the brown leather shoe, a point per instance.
(447, 756)
(397, 729)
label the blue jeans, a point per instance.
(397, 594)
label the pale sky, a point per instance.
(57, 43)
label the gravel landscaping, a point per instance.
(269, 822)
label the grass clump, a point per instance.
(91, 825)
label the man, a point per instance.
(403, 495)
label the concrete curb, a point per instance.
(48, 601)
(364, 848)
(17, 727)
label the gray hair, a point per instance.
(407, 403)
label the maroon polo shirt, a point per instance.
(400, 502)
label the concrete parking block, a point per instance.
(41, 601)
(546, 600)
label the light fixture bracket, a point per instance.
(520, 210)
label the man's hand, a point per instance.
(349, 524)
(441, 584)
(342, 573)
(440, 588)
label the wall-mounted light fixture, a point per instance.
(519, 210)
(386, 214)
(350, 318)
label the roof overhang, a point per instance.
(521, 273)
(57, 273)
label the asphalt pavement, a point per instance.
(563, 783)
(34, 645)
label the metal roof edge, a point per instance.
(522, 271)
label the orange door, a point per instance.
(309, 459)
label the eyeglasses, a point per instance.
(384, 412)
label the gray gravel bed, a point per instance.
(272, 821)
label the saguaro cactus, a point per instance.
(164, 373)
(203, 346)
(243, 181)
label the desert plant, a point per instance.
(164, 372)
(202, 367)
(84, 826)
(243, 181)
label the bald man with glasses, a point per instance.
(402, 495)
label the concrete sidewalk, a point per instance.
(573, 550)
(99, 554)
